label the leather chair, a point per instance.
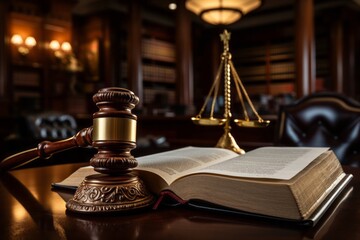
(50, 126)
(322, 120)
(47, 126)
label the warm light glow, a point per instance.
(221, 16)
(19, 213)
(172, 6)
(54, 45)
(66, 46)
(60, 51)
(16, 39)
(222, 11)
(23, 47)
(30, 41)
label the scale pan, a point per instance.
(208, 121)
(251, 123)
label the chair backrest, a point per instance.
(51, 125)
(322, 120)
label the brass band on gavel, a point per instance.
(114, 133)
(112, 128)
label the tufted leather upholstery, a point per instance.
(322, 120)
(51, 125)
(47, 126)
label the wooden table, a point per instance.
(29, 209)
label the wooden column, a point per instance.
(108, 59)
(337, 56)
(3, 48)
(350, 65)
(343, 50)
(216, 50)
(184, 71)
(134, 50)
(305, 48)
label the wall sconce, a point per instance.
(221, 12)
(23, 46)
(64, 57)
(60, 50)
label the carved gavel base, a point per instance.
(113, 133)
(102, 193)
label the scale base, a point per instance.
(227, 141)
(101, 193)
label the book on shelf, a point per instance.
(158, 50)
(151, 95)
(158, 73)
(294, 184)
(273, 88)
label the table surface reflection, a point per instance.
(30, 209)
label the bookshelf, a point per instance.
(158, 73)
(27, 85)
(158, 66)
(36, 80)
(268, 68)
(158, 50)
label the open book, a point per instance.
(294, 183)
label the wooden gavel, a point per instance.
(45, 149)
(113, 134)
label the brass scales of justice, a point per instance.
(227, 140)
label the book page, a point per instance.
(173, 164)
(267, 162)
(168, 165)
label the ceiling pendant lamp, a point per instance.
(222, 12)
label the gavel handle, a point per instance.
(45, 149)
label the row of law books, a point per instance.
(288, 184)
(158, 50)
(272, 89)
(276, 71)
(159, 96)
(154, 72)
(158, 73)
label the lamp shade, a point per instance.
(30, 41)
(221, 12)
(66, 46)
(16, 39)
(54, 45)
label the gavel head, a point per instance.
(114, 131)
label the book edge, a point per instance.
(332, 196)
(311, 221)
